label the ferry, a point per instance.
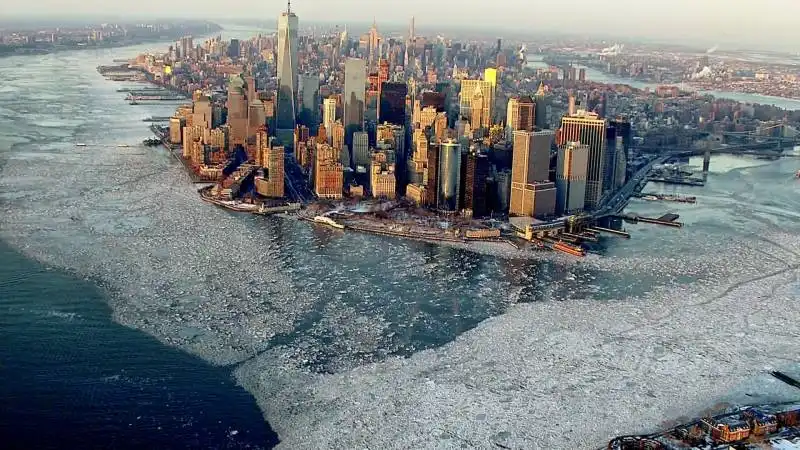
(123, 145)
(328, 221)
(80, 145)
(650, 198)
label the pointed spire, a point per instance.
(540, 92)
(288, 6)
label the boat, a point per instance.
(650, 198)
(328, 221)
(133, 103)
(569, 249)
(123, 145)
(797, 175)
(80, 145)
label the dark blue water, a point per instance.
(72, 378)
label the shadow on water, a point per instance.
(70, 377)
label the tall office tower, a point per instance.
(572, 107)
(354, 96)
(432, 174)
(202, 111)
(573, 160)
(273, 161)
(589, 129)
(237, 111)
(426, 117)
(256, 118)
(449, 176)
(475, 189)
(436, 100)
(309, 89)
(301, 134)
(383, 182)
(328, 172)
(440, 126)
(620, 164)
(532, 194)
(520, 115)
(337, 135)
(329, 115)
(392, 107)
(250, 84)
(540, 108)
(233, 49)
(470, 90)
(361, 153)
(582, 75)
(288, 24)
(512, 117)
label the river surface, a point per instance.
(346, 340)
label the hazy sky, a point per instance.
(770, 23)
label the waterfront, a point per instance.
(348, 340)
(535, 61)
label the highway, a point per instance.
(616, 203)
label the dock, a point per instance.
(665, 197)
(156, 119)
(666, 220)
(597, 229)
(684, 181)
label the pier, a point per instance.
(664, 197)
(597, 229)
(667, 219)
(157, 119)
(685, 181)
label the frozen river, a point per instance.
(354, 341)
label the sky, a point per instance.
(762, 24)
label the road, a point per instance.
(614, 204)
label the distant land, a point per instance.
(32, 38)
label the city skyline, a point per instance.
(677, 21)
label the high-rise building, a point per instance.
(478, 168)
(328, 172)
(531, 193)
(237, 111)
(589, 129)
(392, 104)
(354, 96)
(572, 163)
(520, 115)
(540, 108)
(472, 90)
(288, 24)
(361, 153)
(272, 184)
(309, 88)
(329, 115)
(383, 182)
(233, 49)
(449, 176)
(431, 174)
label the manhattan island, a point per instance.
(434, 139)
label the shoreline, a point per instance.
(501, 247)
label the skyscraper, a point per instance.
(393, 103)
(589, 129)
(520, 115)
(449, 176)
(288, 24)
(531, 192)
(309, 86)
(482, 91)
(354, 96)
(329, 115)
(571, 177)
(540, 108)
